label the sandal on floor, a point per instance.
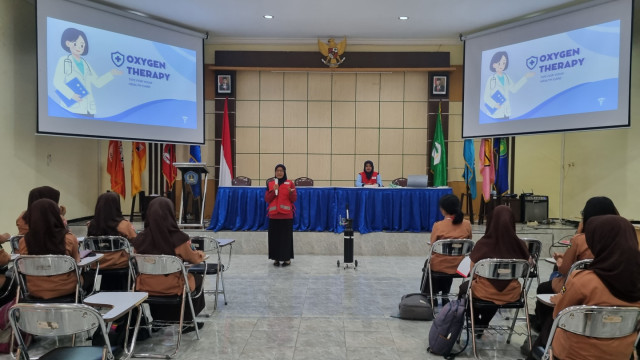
(276, 263)
(286, 263)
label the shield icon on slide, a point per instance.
(117, 58)
(532, 61)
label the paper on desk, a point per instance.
(464, 267)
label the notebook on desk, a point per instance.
(85, 253)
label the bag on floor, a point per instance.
(415, 307)
(446, 329)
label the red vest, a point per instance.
(281, 204)
(372, 181)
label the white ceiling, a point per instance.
(361, 21)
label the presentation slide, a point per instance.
(102, 75)
(568, 73)
(566, 70)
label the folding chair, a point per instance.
(211, 245)
(535, 247)
(14, 241)
(445, 247)
(58, 320)
(303, 181)
(578, 265)
(165, 265)
(42, 266)
(500, 269)
(601, 322)
(108, 245)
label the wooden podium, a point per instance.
(192, 174)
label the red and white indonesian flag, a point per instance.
(226, 163)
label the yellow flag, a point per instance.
(138, 164)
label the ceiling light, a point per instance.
(403, 17)
(268, 16)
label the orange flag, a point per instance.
(138, 164)
(115, 167)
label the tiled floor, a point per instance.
(315, 310)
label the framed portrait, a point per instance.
(439, 85)
(224, 84)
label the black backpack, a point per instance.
(415, 307)
(446, 329)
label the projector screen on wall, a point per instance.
(105, 73)
(568, 71)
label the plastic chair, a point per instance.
(105, 245)
(402, 182)
(602, 322)
(210, 245)
(43, 266)
(446, 247)
(303, 181)
(500, 269)
(241, 181)
(58, 320)
(165, 265)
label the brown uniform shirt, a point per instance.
(578, 250)
(445, 229)
(172, 284)
(47, 287)
(586, 288)
(483, 289)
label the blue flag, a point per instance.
(501, 153)
(469, 173)
(194, 157)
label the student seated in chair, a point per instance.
(42, 192)
(108, 220)
(48, 236)
(499, 242)
(613, 279)
(161, 236)
(454, 226)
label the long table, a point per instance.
(321, 208)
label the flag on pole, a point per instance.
(469, 173)
(195, 157)
(115, 167)
(138, 164)
(439, 155)
(486, 167)
(169, 171)
(501, 152)
(226, 164)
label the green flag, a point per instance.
(439, 155)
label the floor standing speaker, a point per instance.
(535, 208)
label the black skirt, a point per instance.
(281, 239)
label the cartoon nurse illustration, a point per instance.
(74, 77)
(499, 85)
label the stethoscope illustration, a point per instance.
(492, 81)
(68, 66)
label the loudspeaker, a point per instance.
(144, 203)
(535, 208)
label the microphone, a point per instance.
(347, 211)
(275, 186)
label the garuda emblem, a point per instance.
(332, 52)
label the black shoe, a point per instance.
(276, 263)
(535, 323)
(445, 301)
(286, 263)
(190, 328)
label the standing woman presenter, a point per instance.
(280, 195)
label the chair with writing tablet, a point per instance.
(14, 241)
(500, 269)
(52, 320)
(445, 247)
(578, 265)
(303, 181)
(210, 245)
(119, 278)
(593, 322)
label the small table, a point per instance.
(550, 260)
(119, 304)
(88, 260)
(546, 299)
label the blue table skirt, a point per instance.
(320, 209)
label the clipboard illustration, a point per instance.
(497, 97)
(77, 87)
